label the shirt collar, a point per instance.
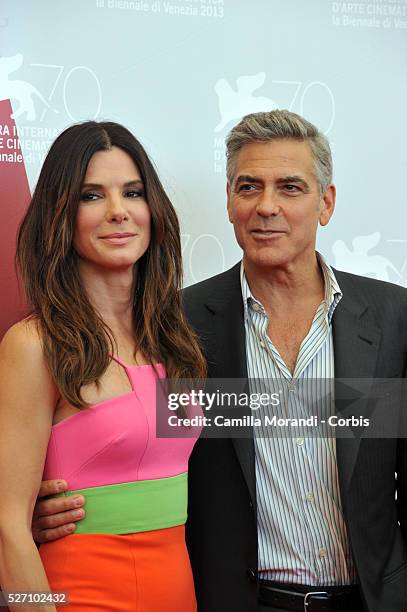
(333, 293)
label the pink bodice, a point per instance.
(115, 441)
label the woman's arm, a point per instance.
(27, 400)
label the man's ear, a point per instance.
(228, 190)
(327, 205)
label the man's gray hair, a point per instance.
(278, 125)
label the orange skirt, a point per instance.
(141, 572)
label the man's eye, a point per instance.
(247, 187)
(291, 188)
(89, 197)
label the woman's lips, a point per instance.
(118, 238)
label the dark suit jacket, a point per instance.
(370, 341)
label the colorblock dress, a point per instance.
(128, 554)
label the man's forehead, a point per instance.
(282, 156)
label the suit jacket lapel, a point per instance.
(230, 359)
(356, 341)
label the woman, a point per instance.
(99, 253)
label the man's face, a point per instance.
(275, 204)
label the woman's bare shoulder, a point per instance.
(23, 365)
(23, 338)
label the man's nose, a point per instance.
(116, 209)
(267, 204)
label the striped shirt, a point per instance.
(301, 530)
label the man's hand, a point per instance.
(55, 518)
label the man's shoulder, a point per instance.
(372, 288)
(386, 301)
(202, 291)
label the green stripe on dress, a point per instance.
(132, 507)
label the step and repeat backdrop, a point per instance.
(180, 74)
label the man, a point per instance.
(272, 521)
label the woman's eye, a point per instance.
(89, 197)
(134, 193)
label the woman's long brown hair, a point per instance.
(76, 341)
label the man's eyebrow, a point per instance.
(293, 179)
(247, 178)
(136, 182)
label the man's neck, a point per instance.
(283, 287)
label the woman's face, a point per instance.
(113, 223)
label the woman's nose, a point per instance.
(116, 210)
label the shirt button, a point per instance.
(300, 441)
(309, 497)
(256, 307)
(322, 552)
(262, 344)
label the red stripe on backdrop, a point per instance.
(14, 199)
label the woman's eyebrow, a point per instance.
(137, 182)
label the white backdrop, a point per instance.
(180, 74)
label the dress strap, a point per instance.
(119, 361)
(126, 369)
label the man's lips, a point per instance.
(267, 232)
(266, 235)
